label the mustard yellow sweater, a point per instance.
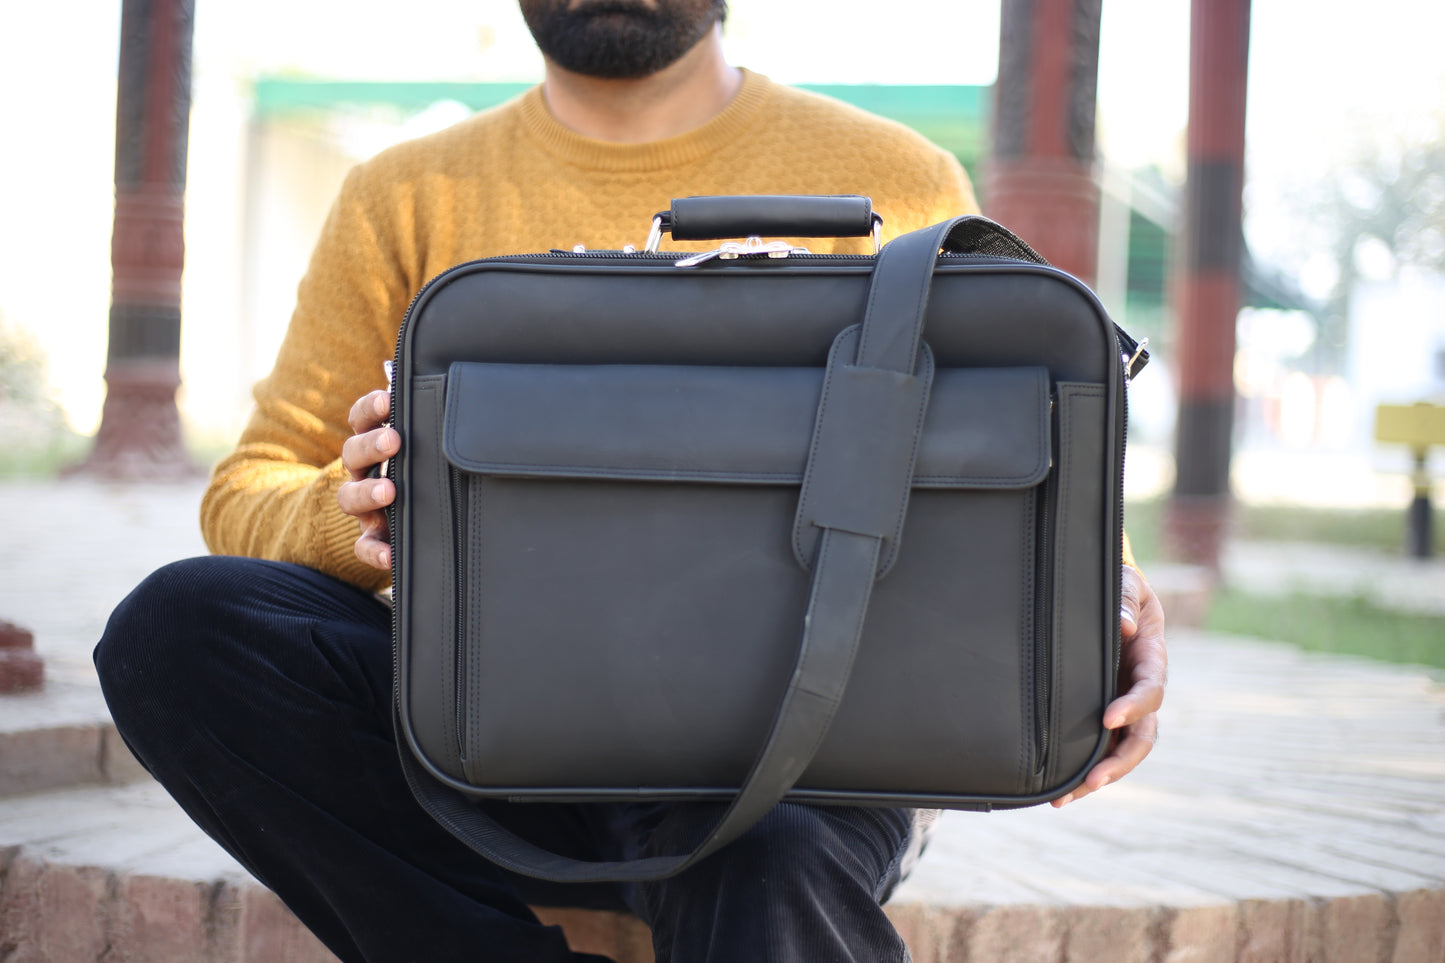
(513, 180)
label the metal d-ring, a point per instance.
(654, 237)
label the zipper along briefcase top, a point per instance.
(755, 524)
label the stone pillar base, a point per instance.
(21, 670)
(140, 428)
(1196, 527)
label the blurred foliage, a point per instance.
(1396, 195)
(22, 370)
(1351, 626)
(44, 456)
(1382, 209)
(38, 440)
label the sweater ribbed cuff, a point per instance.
(337, 532)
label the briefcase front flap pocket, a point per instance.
(620, 522)
(985, 428)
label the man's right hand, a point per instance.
(366, 497)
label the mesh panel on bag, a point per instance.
(979, 235)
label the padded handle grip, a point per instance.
(772, 215)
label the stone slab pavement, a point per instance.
(1294, 808)
(1390, 580)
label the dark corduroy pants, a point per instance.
(259, 694)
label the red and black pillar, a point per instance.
(140, 431)
(1040, 182)
(1207, 289)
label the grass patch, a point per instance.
(1349, 625)
(1374, 528)
(36, 458)
(1365, 528)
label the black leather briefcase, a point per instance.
(756, 524)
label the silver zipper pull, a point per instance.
(730, 250)
(387, 367)
(753, 247)
(703, 258)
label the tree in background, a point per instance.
(1382, 209)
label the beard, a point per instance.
(619, 39)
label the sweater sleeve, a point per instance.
(274, 497)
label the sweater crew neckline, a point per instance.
(588, 152)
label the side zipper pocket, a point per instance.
(1043, 614)
(458, 486)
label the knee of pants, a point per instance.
(148, 648)
(814, 846)
(806, 880)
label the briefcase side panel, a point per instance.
(1085, 581)
(426, 603)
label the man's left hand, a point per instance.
(1143, 668)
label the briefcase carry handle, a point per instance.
(890, 363)
(767, 215)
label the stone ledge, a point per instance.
(58, 738)
(116, 873)
(59, 913)
(21, 670)
(64, 756)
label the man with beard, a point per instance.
(256, 685)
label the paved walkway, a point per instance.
(1294, 809)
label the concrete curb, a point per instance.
(58, 737)
(59, 913)
(56, 913)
